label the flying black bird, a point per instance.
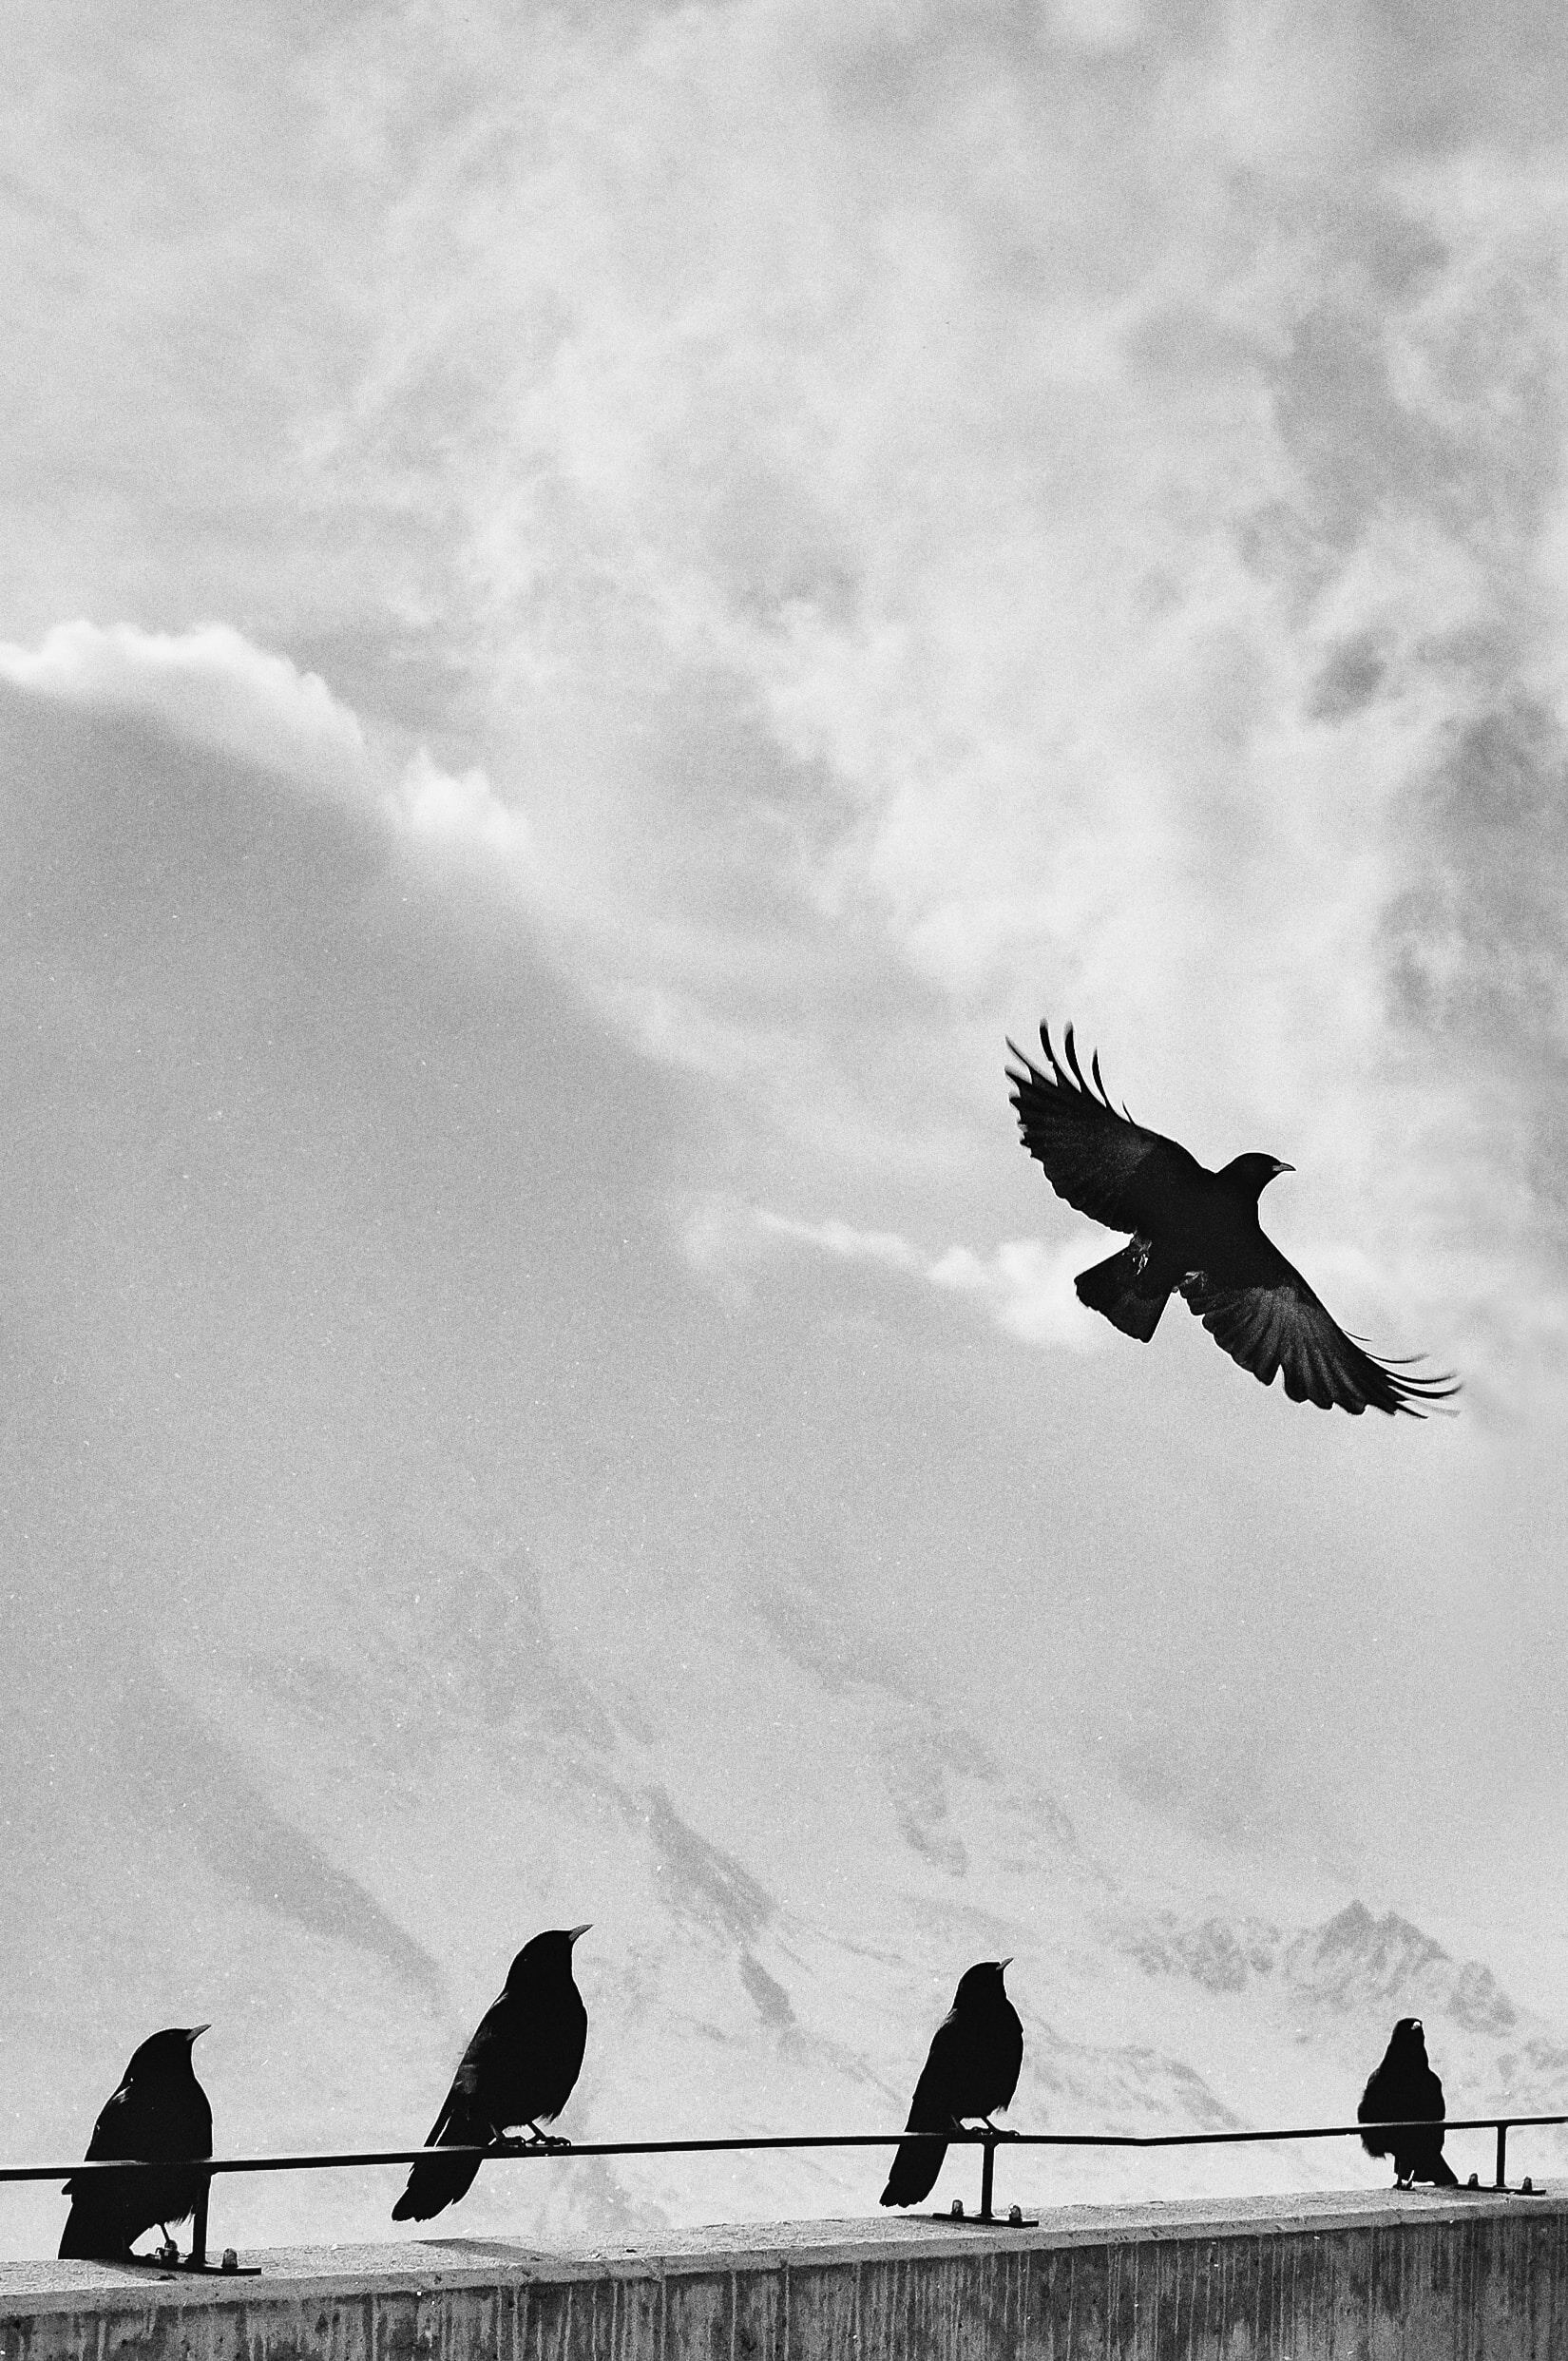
(519, 2068)
(972, 2070)
(1404, 2090)
(158, 2111)
(1196, 1232)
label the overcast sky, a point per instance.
(597, 603)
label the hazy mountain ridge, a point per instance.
(788, 1860)
(1334, 1991)
(1353, 1965)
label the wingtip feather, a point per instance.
(1066, 1074)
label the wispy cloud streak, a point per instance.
(1025, 1288)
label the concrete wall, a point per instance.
(1394, 2277)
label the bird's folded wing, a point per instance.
(442, 2133)
(1101, 1162)
(1013, 2058)
(495, 2030)
(112, 2135)
(1280, 1326)
(933, 2106)
(463, 2118)
(108, 2141)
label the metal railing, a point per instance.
(988, 2140)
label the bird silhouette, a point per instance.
(160, 2111)
(520, 2067)
(1196, 1232)
(1404, 2090)
(972, 2070)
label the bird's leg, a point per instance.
(999, 2131)
(168, 2252)
(546, 2140)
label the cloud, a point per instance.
(1096, 24)
(210, 685)
(972, 517)
(214, 688)
(1026, 1289)
(838, 1238)
(462, 810)
(895, 525)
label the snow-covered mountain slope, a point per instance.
(788, 1856)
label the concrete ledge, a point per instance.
(1405, 2276)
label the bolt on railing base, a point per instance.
(1500, 2186)
(1014, 2219)
(187, 2267)
(169, 2258)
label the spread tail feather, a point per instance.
(1122, 1289)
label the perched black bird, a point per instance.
(972, 2070)
(1197, 1233)
(158, 2111)
(1404, 2090)
(519, 2068)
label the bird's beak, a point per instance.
(572, 1933)
(1280, 1167)
(194, 2032)
(1005, 1962)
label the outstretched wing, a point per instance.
(1102, 1162)
(1278, 1324)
